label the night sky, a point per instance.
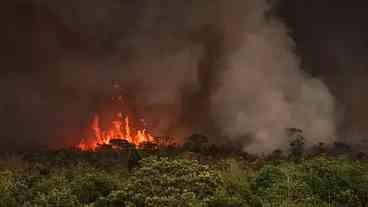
(331, 38)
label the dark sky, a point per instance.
(323, 29)
(331, 37)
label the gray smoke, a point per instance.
(263, 89)
(223, 68)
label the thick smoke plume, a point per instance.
(223, 68)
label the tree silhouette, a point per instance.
(297, 144)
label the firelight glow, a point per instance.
(119, 129)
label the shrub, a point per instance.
(7, 189)
(236, 189)
(56, 197)
(297, 144)
(89, 187)
(162, 182)
(195, 143)
(283, 185)
(53, 191)
(339, 181)
(267, 177)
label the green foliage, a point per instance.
(231, 182)
(164, 182)
(56, 197)
(90, 186)
(341, 181)
(7, 189)
(14, 190)
(53, 191)
(236, 189)
(70, 187)
(283, 185)
(267, 177)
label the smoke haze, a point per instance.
(227, 69)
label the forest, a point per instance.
(194, 174)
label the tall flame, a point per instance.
(120, 129)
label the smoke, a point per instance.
(263, 90)
(223, 68)
(333, 45)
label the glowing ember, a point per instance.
(119, 129)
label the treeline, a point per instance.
(194, 174)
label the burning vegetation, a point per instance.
(108, 127)
(119, 129)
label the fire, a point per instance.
(119, 129)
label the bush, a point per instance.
(14, 190)
(162, 182)
(89, 187)
(339, 181)
(267, 177)
(195, 143)
(53, 191)
(7, 189)
(236, 190)
(296, 145)
(283, 185)
(56, 197)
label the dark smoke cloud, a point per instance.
(224, 68)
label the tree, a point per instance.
(318, 150)
(87, 187)
(195, 143)
(275, 155)
(296, 145)
(341, 148)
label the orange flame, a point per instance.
(120, 129)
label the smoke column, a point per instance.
(223, 68)
(263, 90)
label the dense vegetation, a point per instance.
(195, 175)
